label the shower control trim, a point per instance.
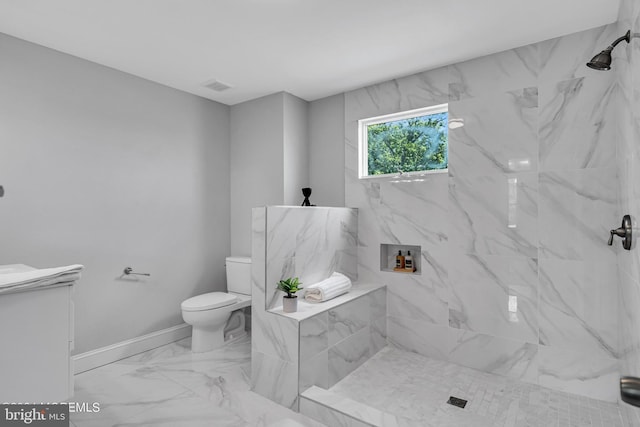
(630, 390)
(624, 232)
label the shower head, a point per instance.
(602, 61)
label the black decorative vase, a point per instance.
(306, 192)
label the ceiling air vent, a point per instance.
(216, 85)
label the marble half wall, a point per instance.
(274, 347)
(290, 352)
(310, 243)
(524, 211)
(336, 342)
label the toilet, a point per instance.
(210, 313)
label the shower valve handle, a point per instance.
(624, 231)
(620, 232)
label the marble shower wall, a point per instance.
(525, 210)
(627, 67)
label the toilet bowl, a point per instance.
(209, 313)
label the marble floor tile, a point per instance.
(416, 387)
(170, 386)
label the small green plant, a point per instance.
(290, 286)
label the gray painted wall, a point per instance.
(257, 156)
(109, 170)
(269, 159)
(296, 149)
(326, 151)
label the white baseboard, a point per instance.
(111, 353)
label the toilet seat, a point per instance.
(208, 301)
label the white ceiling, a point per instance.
(309, 48)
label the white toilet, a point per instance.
(209, 313)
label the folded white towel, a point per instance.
(327, 289)
(39, 278)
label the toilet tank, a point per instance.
(239, 275)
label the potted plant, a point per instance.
(290, 301)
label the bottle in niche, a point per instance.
(400, 260)
(408, 262)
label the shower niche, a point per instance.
(389, 253)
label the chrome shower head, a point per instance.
(602, 61)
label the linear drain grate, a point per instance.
(456, 401)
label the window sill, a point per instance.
(404, 177)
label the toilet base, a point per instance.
(229, 338)
(235, 328)
(206, 338)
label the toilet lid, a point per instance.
(208, 301)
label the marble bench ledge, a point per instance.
(307, 309)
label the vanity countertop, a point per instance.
(15, 268)
(21, 277)
(307, 309)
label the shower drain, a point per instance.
(456, 401)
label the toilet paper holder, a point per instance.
(129, 271)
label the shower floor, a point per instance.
(417, 388)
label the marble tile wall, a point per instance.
(336, 342)
(524, 210)
(627, 67)
(310, 243)
(274, 339)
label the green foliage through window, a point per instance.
(408, 145)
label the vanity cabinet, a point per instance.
(36, 339)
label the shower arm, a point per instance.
(626, 37)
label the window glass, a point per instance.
(408, 142)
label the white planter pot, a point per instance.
(290, 305)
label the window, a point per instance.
(410, 142)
